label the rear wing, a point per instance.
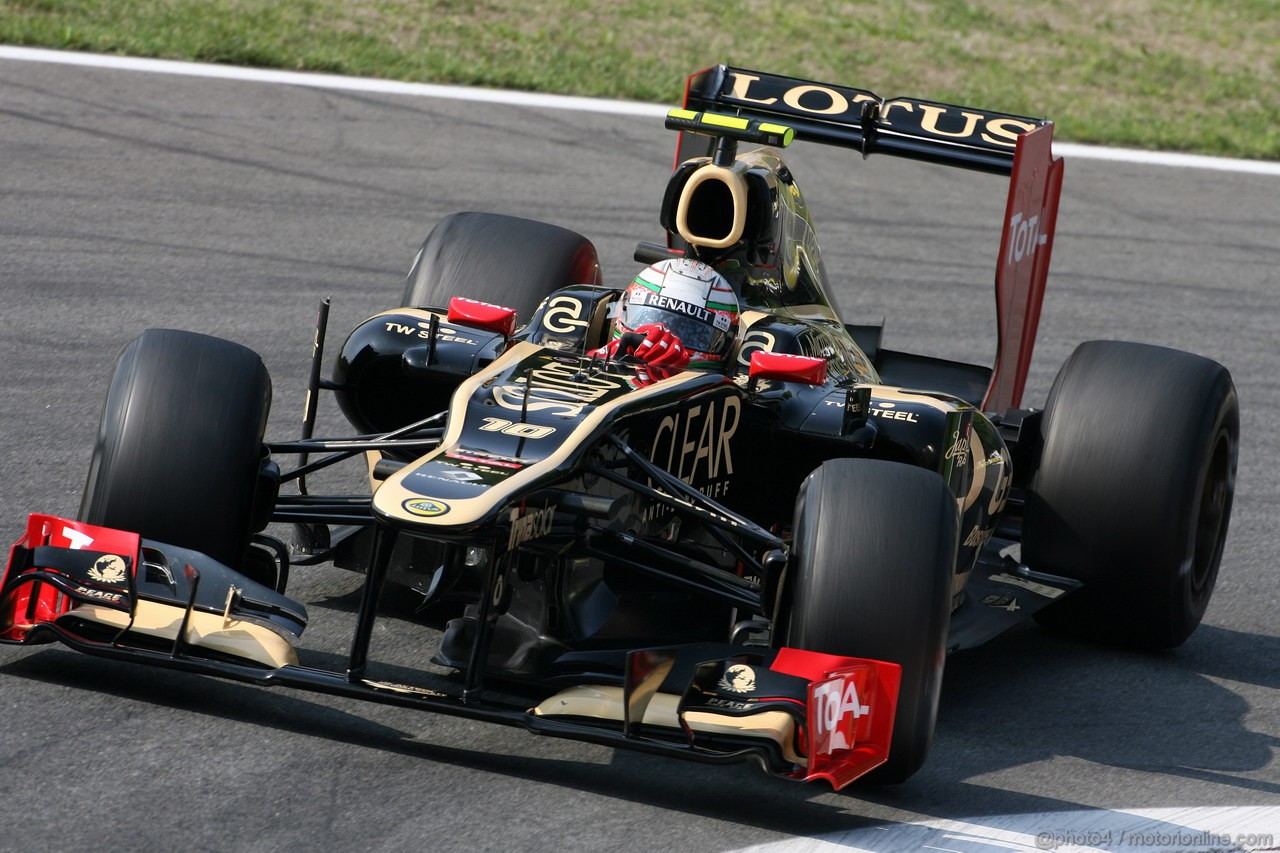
(945, 134)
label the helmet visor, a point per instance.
(694, 334)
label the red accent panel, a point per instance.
(29, 605)
(788, 368)
(33, 603)
(688, 84)
(810, 666)
(852, 702)
(76, 535)
(1026, 245)
(482, 315)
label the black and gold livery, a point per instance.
(768, 560)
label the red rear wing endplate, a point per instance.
(1023, 266)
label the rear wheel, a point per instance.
(874, 559)
(1134, 490)
(500, 259)
(179, 446)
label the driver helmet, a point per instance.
(692, 300)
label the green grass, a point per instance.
(1191, 75)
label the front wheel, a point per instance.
(179, 450)
(874, 559)
(1133, 492)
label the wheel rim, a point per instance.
(1215, 498)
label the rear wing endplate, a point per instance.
(1026, 244)
(932, 132)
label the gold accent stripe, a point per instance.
(978, 478)
(238, 637)
(606, 703)
(892, 393)
(388, 499)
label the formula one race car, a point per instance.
(763, 549)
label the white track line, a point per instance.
(333, 81)
(1186, 830)
(533, 99)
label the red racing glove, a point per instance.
(660, 348)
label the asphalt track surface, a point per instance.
(134, 200)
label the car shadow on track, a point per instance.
(1025, 698)
(669, 785)
(1031, 696)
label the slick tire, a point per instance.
(875, 549)
(179, 446)
(500, 259)
(1133, 492)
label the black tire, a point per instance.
(180, 443)
(1133, 492)
(874, 560)
(500, 259)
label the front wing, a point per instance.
(802, 715)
